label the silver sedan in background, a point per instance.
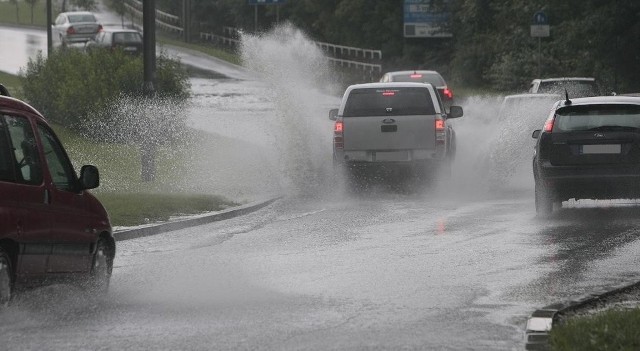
(75, 27)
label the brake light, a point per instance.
(416, 76)
(439, 124)
(71, 30)
(338, 140)
(548, 124)
(448, 93)
(99, 28)
(388, 93)
(440, 133)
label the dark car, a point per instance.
(51, 228)
(589, 148)
(423, 76)
(128, 40)
(75, 27)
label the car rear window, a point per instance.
(574, 88)
(597, 118)
(433, 78)
(127, 37)
(388, 102)
(82, 18)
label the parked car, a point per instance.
(75, 27)
(575, 86)
(393, 125)
(589, 148)
(51, 229)
(432, 77)
(127, 40)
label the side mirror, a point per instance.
(333, 114)
(535, 134)
(89, 177)
(455, 112)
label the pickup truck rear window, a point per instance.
(389, 102)
(598, 118)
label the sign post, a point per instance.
(255, 3)
(540, 29)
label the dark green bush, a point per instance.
(81, 91)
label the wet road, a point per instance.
(459, 266)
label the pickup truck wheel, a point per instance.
(5, 279)
(543, 200)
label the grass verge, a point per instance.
(20, 14)
(12, 83)
(131, 201)
(614, 329)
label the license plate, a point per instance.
(601, 149)
(392, 156)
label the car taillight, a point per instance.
(71, 30)
(548, 124)
(338, 140)
(448, 93)
(99, 28)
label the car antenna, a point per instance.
(566, 94)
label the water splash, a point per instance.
(298, 75)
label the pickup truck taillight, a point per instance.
(440, 136)
(338, 140)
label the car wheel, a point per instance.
(544, 200)
(5, 279)
(100, 269)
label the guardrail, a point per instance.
(135, 8)
(356, 52)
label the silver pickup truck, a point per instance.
(393, 127)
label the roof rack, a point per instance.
(4, 91)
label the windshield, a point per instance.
(597, 117)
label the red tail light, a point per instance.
(448, 93)
(548, 124)
(338, 140)
(440, 133)
(415, 76)
(71, 30)
(99, 28)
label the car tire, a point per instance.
(543, 200)
(100, 269)
(6, 284)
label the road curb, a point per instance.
(541, 321)
(134, 233)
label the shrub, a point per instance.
(83, 91)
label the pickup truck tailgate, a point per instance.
(400, 132)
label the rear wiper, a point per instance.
(614, 128)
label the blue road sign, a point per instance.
(540, 18)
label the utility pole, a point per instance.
(147, 146)
(49, 34)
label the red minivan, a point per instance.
(51, 228)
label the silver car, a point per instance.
(75, 27)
